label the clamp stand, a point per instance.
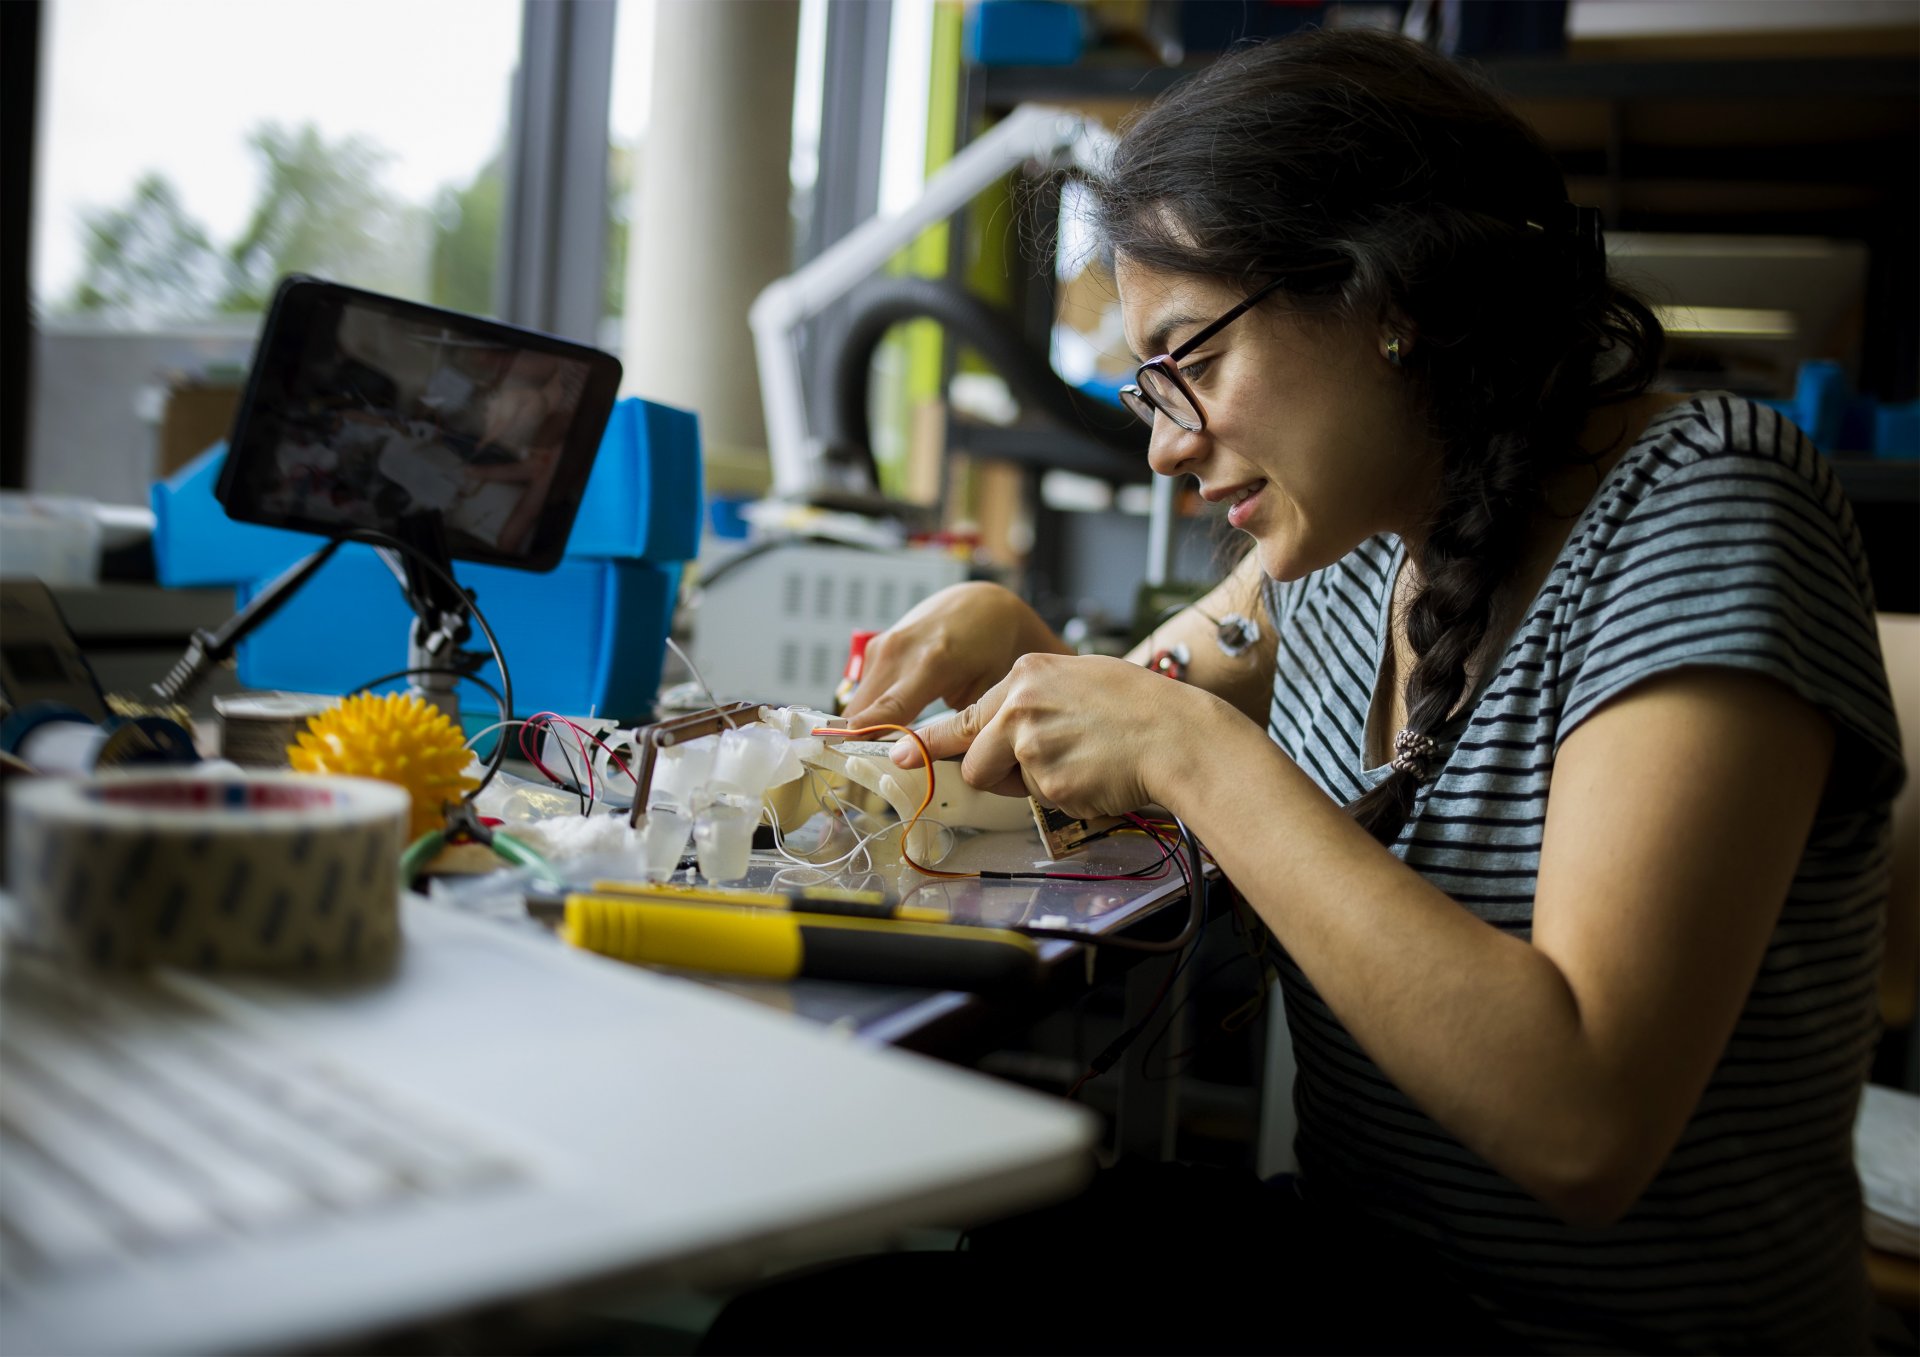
(440, 622)
(439, 628)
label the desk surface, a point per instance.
(658, 1131)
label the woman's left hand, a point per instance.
(1085, 733)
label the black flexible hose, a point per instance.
(1113, 444)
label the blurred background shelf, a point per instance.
(1790, 78)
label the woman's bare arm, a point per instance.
(1244, 680)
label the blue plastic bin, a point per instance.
(1022, 33)
(586, 637)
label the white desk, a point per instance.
(666, 1133)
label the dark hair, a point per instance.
(1384, 183)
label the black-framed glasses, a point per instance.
(1158, 387)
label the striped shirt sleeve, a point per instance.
(1734, 547)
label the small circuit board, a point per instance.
(1064, 835)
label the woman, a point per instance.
(1565, 793)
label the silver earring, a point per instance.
(1393, 351)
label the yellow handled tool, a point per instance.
(806, 899)
(780, 944)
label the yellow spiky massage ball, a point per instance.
(394, 737)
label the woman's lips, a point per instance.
(1243, 509)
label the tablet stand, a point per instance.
(441, 623)
(440, 613)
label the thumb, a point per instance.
(945, 737)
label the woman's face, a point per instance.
(1311, 437)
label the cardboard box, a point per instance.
(197, 415)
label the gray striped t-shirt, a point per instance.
(1719, 538)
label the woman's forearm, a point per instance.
(1478, 1028)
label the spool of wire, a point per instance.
(256, 728)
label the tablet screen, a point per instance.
(364, 411)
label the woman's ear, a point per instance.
(1395, 339)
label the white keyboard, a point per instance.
(137, 1118)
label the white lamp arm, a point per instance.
(1054, 137)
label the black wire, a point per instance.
(759, 549)
(1147, 1055)
(579, 786)
(1194, 871)
(445, 576)
(1167, 850)
(506, 713)
(1196, 890)
(477, 682)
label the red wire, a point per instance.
(926, 760)
(526, 727)
(602, 743)
(547, 718)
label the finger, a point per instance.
(990, 763)
(884, 695)
(953, 733)
(891, 706)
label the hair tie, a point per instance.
(1414, 753)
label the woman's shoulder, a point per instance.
(1721, 427)
(1704, 455)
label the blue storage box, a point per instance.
(196, 544)
(1022, 33)
(586, 636)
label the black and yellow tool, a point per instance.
(785, 939)
(807, 899)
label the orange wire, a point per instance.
(926, 759)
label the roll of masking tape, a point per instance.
(267, 869)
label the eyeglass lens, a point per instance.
(1170, 397)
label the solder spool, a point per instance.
(256, 728)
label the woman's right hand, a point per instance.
(954, 646)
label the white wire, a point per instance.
(705, 687)
(859, 849)
(480, 735)
(823, 792)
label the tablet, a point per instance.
(366, 412)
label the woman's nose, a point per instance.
(1172, 449)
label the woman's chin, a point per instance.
(1284, 560)
(1276, 561)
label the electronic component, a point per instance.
(1172, 661)
(1063, 834)
(1236, 633)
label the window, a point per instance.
(192, 152)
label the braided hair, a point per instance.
(1385, 184)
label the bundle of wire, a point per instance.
(580, 779)
(1190, 868)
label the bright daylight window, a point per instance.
(192, 152)
(626, 142)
